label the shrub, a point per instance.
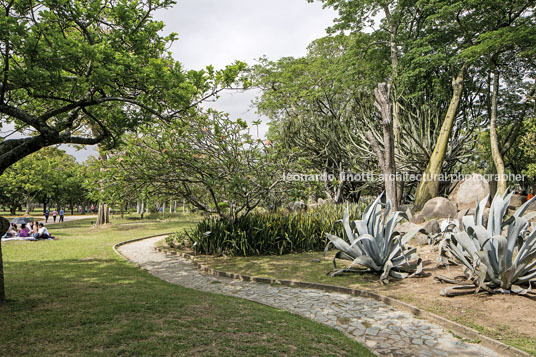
(177, 239)
(269, 233)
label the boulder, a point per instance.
(419, 238)
(417, 219)
(432, 227)
(517, 200)
(405, 227)
(297, 205)
(439, 207)
(466, 192)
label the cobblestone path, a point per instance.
(383, 329)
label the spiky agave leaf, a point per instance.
(373, 243)
(496, 258)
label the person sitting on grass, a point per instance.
(42, 233)
(11, 232)
(24, 231)
(35, 227)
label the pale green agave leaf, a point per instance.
(500, 257)
(375, 244)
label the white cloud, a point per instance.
(218, 32)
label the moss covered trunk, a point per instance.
(494, 141)
(429, 185)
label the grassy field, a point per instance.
(74, 296)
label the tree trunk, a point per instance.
(138, 207)
(4, 226)
(103, 215)
(492, 184)
(494, 142)
(383, 104)
(429, 185)
(2, 285)
(28, 205)
(122, 210)
(393, 32)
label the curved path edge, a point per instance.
(454, 327)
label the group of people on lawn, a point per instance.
(33, 230)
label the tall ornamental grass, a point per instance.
(268, 233)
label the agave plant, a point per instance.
(500, 257)
(446, 228)
(374, 245)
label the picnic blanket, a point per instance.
(24, 238)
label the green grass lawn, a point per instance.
(310, 266)
(75, 296)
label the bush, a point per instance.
(270, 233)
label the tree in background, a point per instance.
(213, 162)
(49, 175)
(322, 110)
(319, 105)
(529, 149)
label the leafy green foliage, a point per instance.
(320, 104)
(48, 175)
(529, 149)
(85, 72)
(428, 43)
(495, 260)
(268, 233)
(374, 244)
(213, 162)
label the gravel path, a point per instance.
(383, 329)
(66, 218)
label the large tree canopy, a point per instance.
(83, 72)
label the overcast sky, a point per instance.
(218, 32)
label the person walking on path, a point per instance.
(62, 213)
(47, 213)
(54, 214)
